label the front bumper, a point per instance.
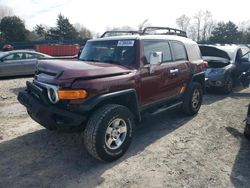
(46, 114)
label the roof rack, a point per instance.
(168, 31)
(119, 32)
(147, 31)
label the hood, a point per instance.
(214, 52)
(63, 70)
(216, 62)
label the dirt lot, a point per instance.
(169, 149)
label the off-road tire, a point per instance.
(247, 131)
(191, 107)
(96, 131)
(228, 87)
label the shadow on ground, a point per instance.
(212, 96)
(51, 159)
(240, 175)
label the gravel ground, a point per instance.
(169, 149)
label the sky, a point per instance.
(98, 15)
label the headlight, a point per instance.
(215, 71)
(53, 96)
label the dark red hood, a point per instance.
(63, 69)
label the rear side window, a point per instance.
(157, 46)
(179, 51)
(14, 56)
(33, 56)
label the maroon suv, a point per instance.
(116, 80)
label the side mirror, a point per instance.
(155, 59)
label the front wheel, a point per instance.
(192, 99)
(109, 132)
(228, 87)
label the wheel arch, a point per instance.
(200, 78)
(127, 98)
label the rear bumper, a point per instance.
(47, 114)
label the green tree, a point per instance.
(12, 29)
(63, 30)
(225, 33)
(40, 30)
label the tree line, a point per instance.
(201, 27)
(12, 29)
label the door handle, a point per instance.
(174, 71)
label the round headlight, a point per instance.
(53, 96)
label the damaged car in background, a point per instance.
(225, 65)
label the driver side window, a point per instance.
(157, 46)
(11, 57)
(246, 56)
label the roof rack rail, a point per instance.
(120, 32)
(169, 31)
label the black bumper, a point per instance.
(45, 113)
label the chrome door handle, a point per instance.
(173, 71)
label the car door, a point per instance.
(11, 65)
(178, 81)
(244, 64)
(29, 62)
(163, 82)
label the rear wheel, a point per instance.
(193, 99)
(109, 132)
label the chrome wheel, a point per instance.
(196, 99)
(115, 133)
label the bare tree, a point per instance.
(207, 25)
(244, 25)
(198, 18)
(192, 32)
(183, 22)
(83, 31)
(144, 24)
(5, 11)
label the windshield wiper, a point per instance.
(111, 61)
(92, 60)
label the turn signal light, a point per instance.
(72, 94)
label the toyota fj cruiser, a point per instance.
(116, 80)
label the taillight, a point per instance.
(204, 64)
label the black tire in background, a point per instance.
(192, 99)
(102, 138)
(228, 87)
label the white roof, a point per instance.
(134, 37)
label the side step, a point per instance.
(175, 105)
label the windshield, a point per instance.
(120, 52)
(3, 54)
